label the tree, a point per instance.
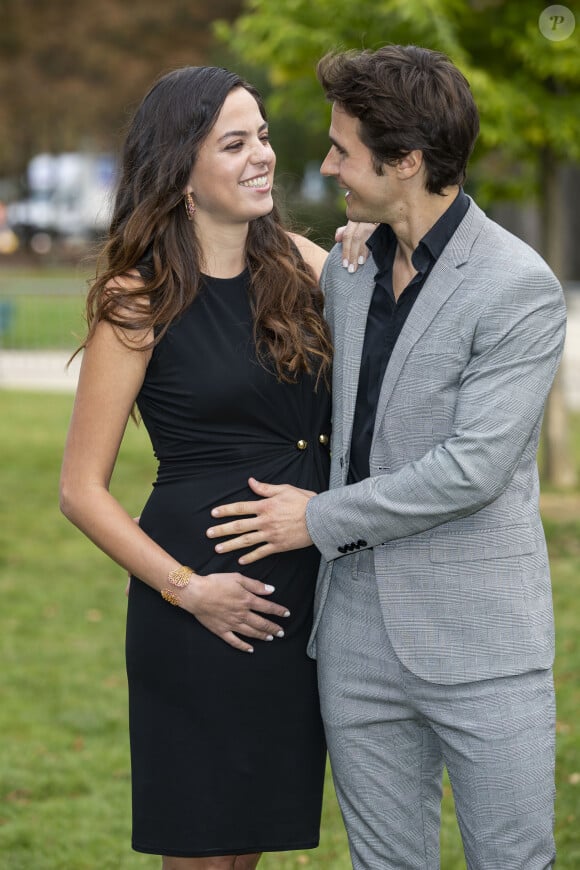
(72, 71)
(525, 79)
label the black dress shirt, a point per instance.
(386, 319)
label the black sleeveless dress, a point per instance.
(227, 748)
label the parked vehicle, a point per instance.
(70, 195)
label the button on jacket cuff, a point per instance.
(321, 531)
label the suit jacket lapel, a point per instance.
(440, 285)
(355, 327)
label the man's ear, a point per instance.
(410, 164)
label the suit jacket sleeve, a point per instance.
(501, 392)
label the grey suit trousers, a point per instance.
(390, 733)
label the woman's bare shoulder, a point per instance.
(123, 299)
(314, 255)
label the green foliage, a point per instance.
(64, 760)
(288, 38)
(526, 86)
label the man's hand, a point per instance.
(277, 522)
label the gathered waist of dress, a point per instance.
(221, 459)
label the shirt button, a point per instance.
(323, 439)
(302, 444)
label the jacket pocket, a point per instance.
(497, 543)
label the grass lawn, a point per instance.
(42, 309)
(64, 762)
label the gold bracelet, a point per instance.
(170, 597)
(179, 577)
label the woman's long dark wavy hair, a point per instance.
(149, 225)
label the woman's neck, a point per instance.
(223, 248)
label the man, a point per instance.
(433, 621)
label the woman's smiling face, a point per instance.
(231, 181)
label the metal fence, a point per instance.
(42, 322)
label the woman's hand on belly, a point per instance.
(231, 604)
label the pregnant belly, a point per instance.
(177, 515)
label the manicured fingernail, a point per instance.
(250, 650)
(351, 268)
(361, 260)
(345, 263)
(269, 588)
(286, 613)
(219, 548)
(269, 637)
(280, 633)
(210, 533)
(215, 512)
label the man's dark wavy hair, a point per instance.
(406, 98)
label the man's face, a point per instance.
(369, 197)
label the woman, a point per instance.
(208, 316)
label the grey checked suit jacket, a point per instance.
(451, 506)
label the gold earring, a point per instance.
(189, 206)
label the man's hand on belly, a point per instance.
(273, 524)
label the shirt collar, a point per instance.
(440, 233)
(431, 246)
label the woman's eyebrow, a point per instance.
(241, 133)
